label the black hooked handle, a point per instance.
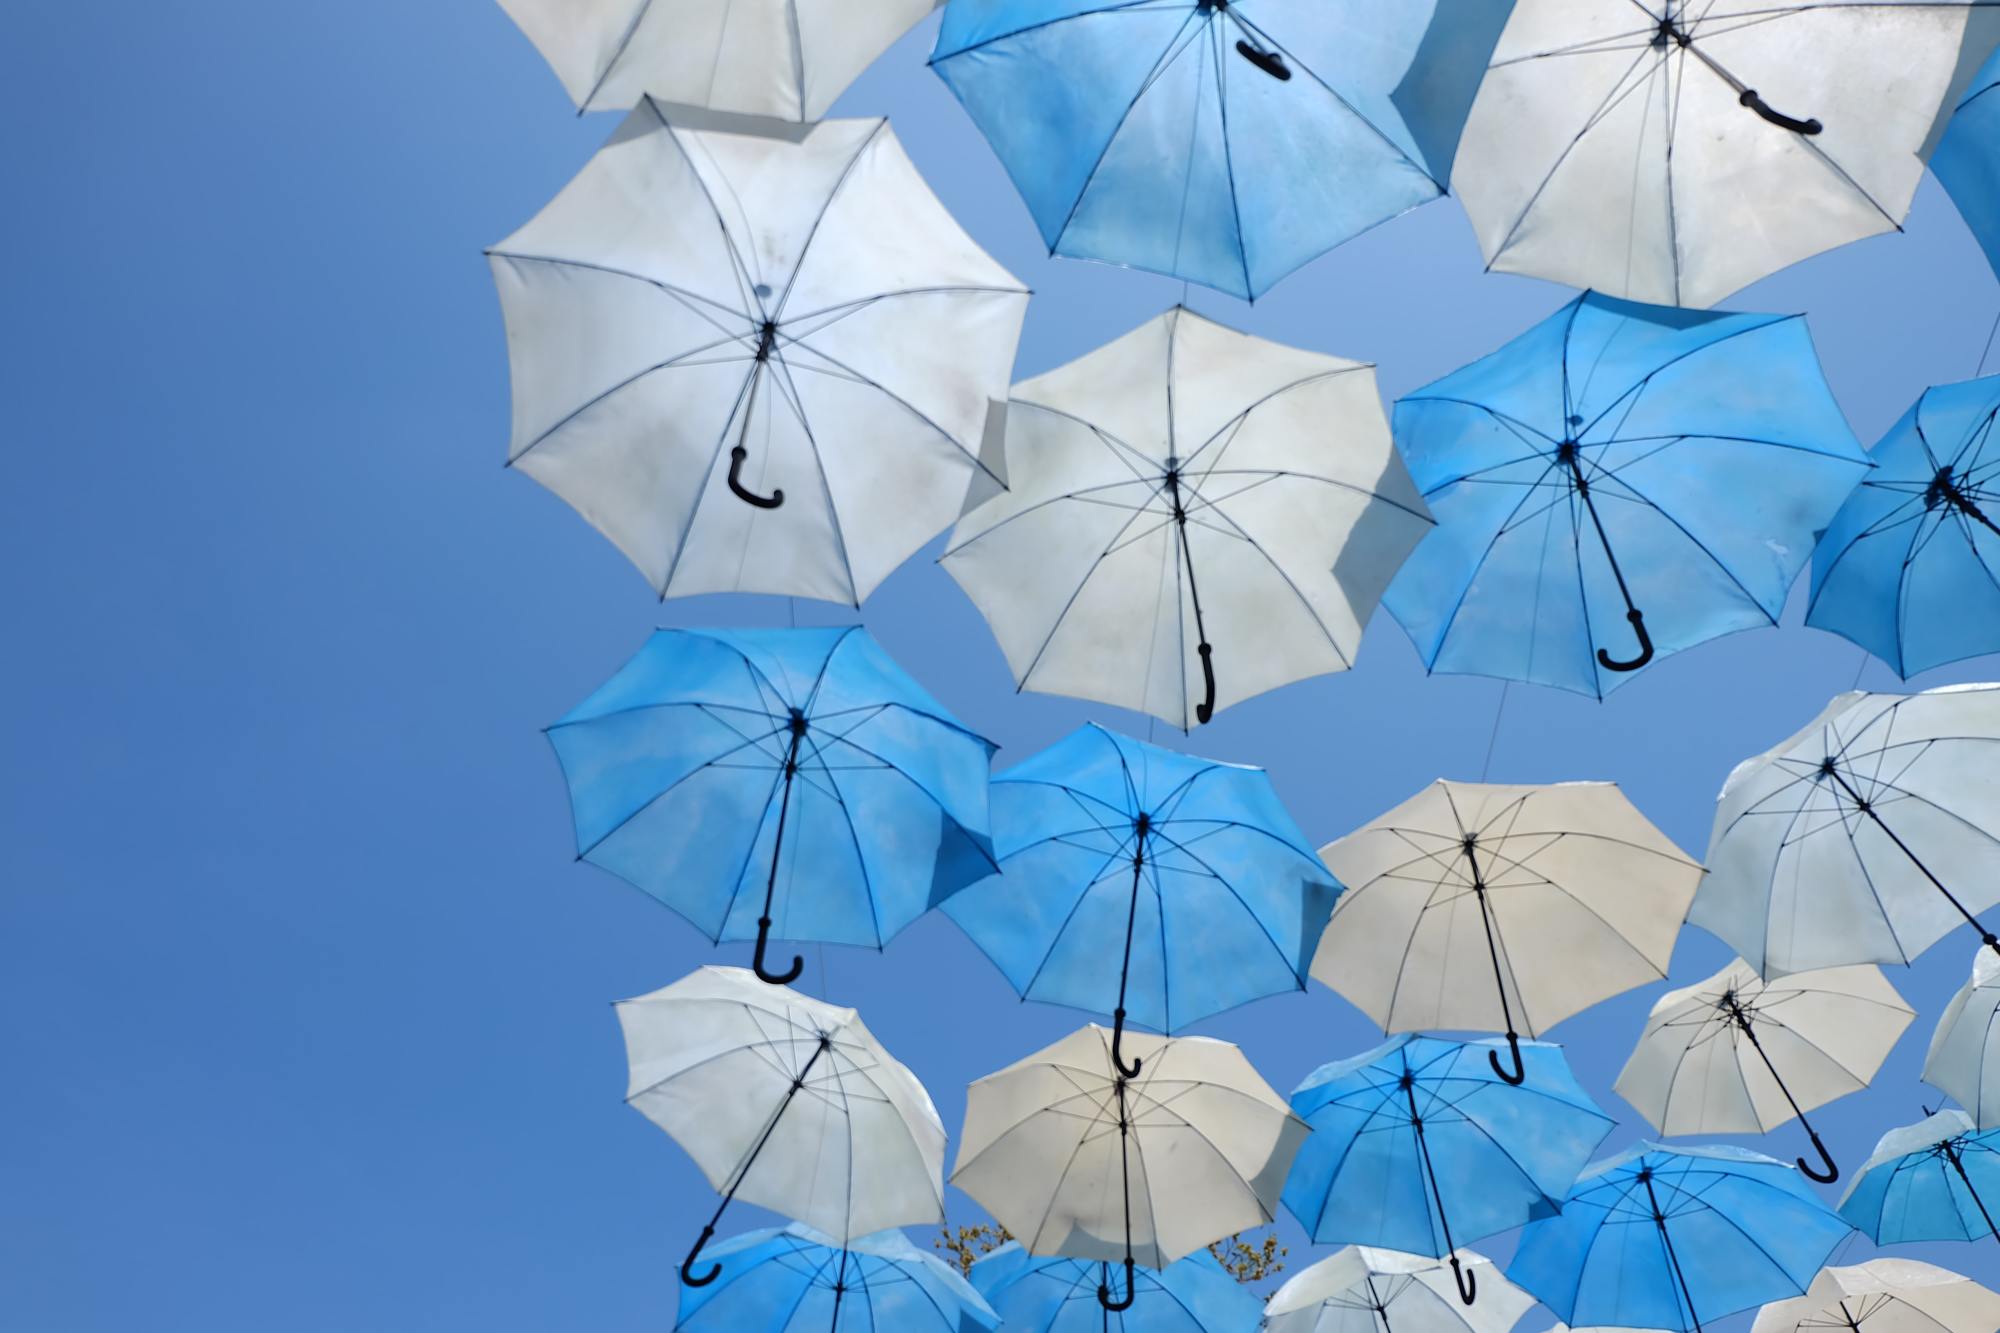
(687, 1264)
(1117, 1043)
(1638, 619)
(1468, 1281)
(1750, 99)
(1832, 1172)
(757, 959)
(771, 501)
(1205, 710)
(1131, 1292)
(1270, 62)
(1514, 1077)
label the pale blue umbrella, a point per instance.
(1938, 1179)
(1967, 158)
(791, 1278)
(1034, 1294)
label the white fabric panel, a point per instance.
(1964, 1057)
(1885, 1296)
(1362, 1290)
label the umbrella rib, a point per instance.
(1753, 324)
(671, 363)
(1056, 625)
(788, 392)
(854, 841)
(667, 791)
(693, 300)
(617, 54)
(1127, 5)
(1229, 166)
(812, 233)
(891, 395)
(1444, 631)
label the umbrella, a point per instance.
(1907, 567)
(1618, 474)
(753, 56)
(1667, 1237)
(1225, 142)
(1194, 516)
(1669, 151)
(1960, 1062)
(1471, 903)
(1187, 871)
(1735, 1055)
(1037, 1294)
(1967, 158)
(793, 782)
(1938, 1179)
(1886, 1296)
(1421, 1133)
(782, 1279)
(1363, 1290)
(1862, 839)
(1080, 1160)
(797, 301)
(785, 1102)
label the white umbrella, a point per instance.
(786, 58)
(1471, 904)
(1734, 1055)
(1885, 1296)
(1194, 516)
(1673, 152)
(1364, 1290)
(758, 362)
(785, 1102)
(1075, 1159)
(1862, 839)
(1964, 1057)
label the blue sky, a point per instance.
(307, 1016)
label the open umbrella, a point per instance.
(793, 783)
(1673, 151)
(1364, 1290)
(1964, 1057)
(1736, 1055)
(1145, 884)
(1938, 1179)
(1037, 1294)
(1420, 1144)
(1618, 483)
(786, 1102)
(1862, 839)
(1885, 1296)
(1225, 142)
(1194, 516)
(1077, 1159)
(756, 361)
(1967, 157)
(1502, 908)
(794, 1280)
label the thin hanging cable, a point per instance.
(1988, 349)
(1860, 669)
(1492, 741)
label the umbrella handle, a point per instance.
(771, 501)
(1104, 1292)
(687, 1264)
(1638, 619)
(1468, 1281)
(1832, 1172)
(1270, 62)
(1205, 710)
(1515, 1077)
(757, 959)
(1117, 1043)
(1778, 118)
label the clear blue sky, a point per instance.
(304, 1008)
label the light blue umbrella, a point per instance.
(1967, 158)
(1907, 569)
(1938, 1179)
(1423, 1144)
(1618, 483)
(793, 1278)
(1054, 1295)
(1667, 1237)
(1226, 142)
(789, 783)
(1145, 884)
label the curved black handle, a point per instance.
(1104, 1292)
(1519, 1074)
(771, 501)
(1468, 1281)
(1638, 619)
(757, 959)
(1117, 1053)
(1205, 710)
(1832, 1172)
(1778, 118)
(1270, 62)
(687, 1264)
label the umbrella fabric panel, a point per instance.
(1886, 1296)
(1961, 1061)
(1342, 1293)
(1967, 163)
(1056, 1295)
(778, 1280)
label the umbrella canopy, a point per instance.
(1055, 1295)
(788, 782)
(1618, 483)
(1077, 1159)
(763, 57)
(794, 1280)
(1674, 152)
(1735, 1055)
(1862, 839)
(756, 361)
(1421, 1143)
(1906, 568)
(1938, 1179)
(1194, 516)
(1668, 1237)
(1223, 143)
(785, 1102)
(1886, 1296)
(1502, 908)
(1145, 884)
(1964, 1057)
(1364, 1290)
(1967, 157)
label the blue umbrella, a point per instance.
(781, 1279)
(1666, 1237)
(1967, 158)
(718, 765)
(1055, 1295)
(1423, 1144)
(1619, 475)
(1938, 1179)
(1226, 142)
(1187, 870)
(1907, 569)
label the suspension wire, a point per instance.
(1988, 349)
(1493, 740)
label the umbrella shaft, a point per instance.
(743, 1171)
(839, 1290)
(1430, 1172)
(1603, 538)
(778, 838)
(1951, 1155)
(1673, 1260)
(1867, 807)
(1742, 1020)
(1492, 937)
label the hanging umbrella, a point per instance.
(1037, 1294)
(1420, 1144)
(1079, 1160)
(1735, 1055)
(1964, 1057)
(1673, 152)
(1225, 142)
(1470, 905)
(777, 782)
(1618, 475)
(1667, 1237)
(1907, 567)
(1967, 157)
(1186, 871)
(1862, 839)
(1363, 1290)
(1886, 1296)
(799, 303)
(1938, 1179)
(794, 1280)
(788, 60)
(1194, 516)
(785, 1102)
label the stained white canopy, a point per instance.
(1964, 1057)
(1885, 1296)
(1364, 1290)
